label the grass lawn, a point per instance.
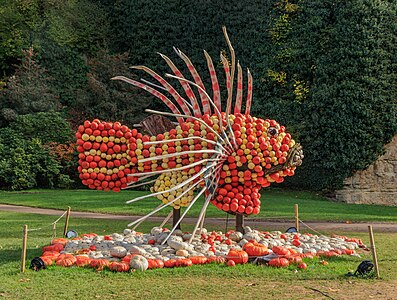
(276, 204)
(197, 282)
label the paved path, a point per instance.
(281, 225)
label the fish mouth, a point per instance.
(294, 159)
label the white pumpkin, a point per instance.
(118, 251)
(138, 262)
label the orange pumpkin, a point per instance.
(59, 241)
(66, 255)
(198, 260)
(238, 256)
(119, 266)
(327, 254)
(280, 250)
(294, 259)
(82, 261)
(308, 255)
(55, 247)
(348, 251)
(169, 263)
(216, 259)
(52, 254)
(47, 260)
(99, 264)
(279, 262)
(65, 260)
(183, 262)
(160, 263)
(152, 263)
(255, 249)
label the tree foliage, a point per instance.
(325, 69)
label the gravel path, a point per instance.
(281, 225)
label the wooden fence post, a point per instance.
(24, 241)
(373, 250)
(65, 229)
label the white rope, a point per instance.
(312, 229)
(51, 225)
(59, 218)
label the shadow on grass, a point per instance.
(15, 255)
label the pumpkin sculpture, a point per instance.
(224, 152)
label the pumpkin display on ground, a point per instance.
(146, 251)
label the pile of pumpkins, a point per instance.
(137, 251)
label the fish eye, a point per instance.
(272, 131)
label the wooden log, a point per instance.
(65, 229)
(175, 217)
(240, 223)
(24, 242)
(373, 250)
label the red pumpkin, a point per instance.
(169, 263)
(279, 262)
(255, 249)
(238, 256)
(99, 264)
(183, 262)
(198, 260)
(302, 266)
(231, 263)
(82, 260)
(119, 267)
(127, 258)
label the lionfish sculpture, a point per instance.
(226, 155)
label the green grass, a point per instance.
(276, 204)
(198, 282)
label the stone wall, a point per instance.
(375, 185)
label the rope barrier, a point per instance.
(51, 225)
(311, 228)
(56, 221)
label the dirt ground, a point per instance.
(281, 225)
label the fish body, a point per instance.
(227, 155)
